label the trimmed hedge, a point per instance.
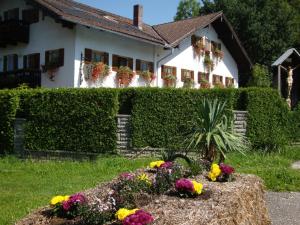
(8, 107)
(267, 124)
(294, 124)
(72, 120)
(160, 117)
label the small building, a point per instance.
(62, 43)
(287, 76)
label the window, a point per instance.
(30, 16)
(95, 56)
(217, 79)
(31, 61)
(168, 71)
(144, 66)
(229, 82)
(203, 76)
(186, 74)
(10, 62)
(55, 58)
(12, 14)
(119, 61)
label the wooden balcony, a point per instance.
(13, 79)
(13, 32)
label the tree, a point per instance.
(266, 28)
(260, 77)
(187, 9)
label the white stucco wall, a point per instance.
(44, 35)
(184, 58)
(112, 44)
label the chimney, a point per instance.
(138, 16)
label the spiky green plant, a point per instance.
(213, 133)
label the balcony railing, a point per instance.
(13, 79)
(13, 32)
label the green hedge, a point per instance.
(8, 107)
(294, 125)
(71, 119)
(160, 117)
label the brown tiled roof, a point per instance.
(82, 14)
(174, 32)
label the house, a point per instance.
(62, 43)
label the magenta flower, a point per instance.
(184, 185)
(140, 217)
(73, 200)
(126, 176)
(226, 169)
(167, 165)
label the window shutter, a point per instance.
(192, 75)
(174, 70)
(5, 63)
(47, 57)
(182, 75)
(115, 62)
(25, 58)
(138, 65)
(162, 71)
(130, 63)
(30, 16)
(106, 58)
(199, 77)
(88, 55)
(61, 57)
(37, 58)
(151, 67)
(15, 62)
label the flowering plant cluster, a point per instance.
(67, 206)
(161, 164)
(187, 187)
(222, 172)
(134, 217)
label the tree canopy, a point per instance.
(187, 9)
(265, 27)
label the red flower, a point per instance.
(184, 185)
(226, 169)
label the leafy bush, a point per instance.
(267, 118)
(294, 125)
(9, 103)
(71, 120)
(260, 77)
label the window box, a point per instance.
(124, 76)
(198, 45)
(145, 70)
(54, 60)
(218, 81)
(187, 76)
(203, 80)
(169, 75)
(229, 82)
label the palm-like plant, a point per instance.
(213, 133)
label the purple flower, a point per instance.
(73, 200)
(126, 176)
(226, 169)
(140, 217)
(184, 185)
(167, 165)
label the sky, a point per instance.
(155, 11)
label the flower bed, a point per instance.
(165, 193)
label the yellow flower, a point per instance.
(121, 214)
(215, 171)
(59, 199)
(144, 177)
(198, 187)
(211, 176)
(156, 164)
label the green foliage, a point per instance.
(161, 117)
(264, 34)
(9, 102)
(187, 9)
(260, 77)
(72, 120)
(90, 215)
(213, 133)
(267, 118)
(294, 125)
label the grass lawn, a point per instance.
(274, 168)
(26, 185)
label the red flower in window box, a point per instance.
(99, 70)
(125, 76)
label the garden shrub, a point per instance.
(81, 120)
(294, 124)
(267, 118)
(161, 117)
(8, 106)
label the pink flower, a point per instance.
(226, 169)
(184, 185)
(140, 217)
(166, 165)
(73, 200)
(126, 176)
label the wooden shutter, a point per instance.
(151, 67)
(15, 58)
(47, 57)
(174, 71)
(5, 63)
(182, 75)
(163, 71)
(115, 62)
(37, 58)
(25, 58)
(130, 63)
(106, 58)
(192, 75)
(61, 57)
(30, 16)
(88, 55)
(138, 65)
(199, 77)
